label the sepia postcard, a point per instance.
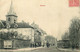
(39, 25)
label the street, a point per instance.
(51, 49)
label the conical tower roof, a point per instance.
(11, 10)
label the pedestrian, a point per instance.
(72, 47)
(47, 44)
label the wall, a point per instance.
(21, 43)
(1, 43)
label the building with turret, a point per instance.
(11, 16)
(18, 34)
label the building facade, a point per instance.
(32, 35)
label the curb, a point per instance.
(23, 49)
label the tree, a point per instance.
(65, 36)
(74, 32)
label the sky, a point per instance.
(53, 17)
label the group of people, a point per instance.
(35, 44)
(39, 44)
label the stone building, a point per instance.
(39, 35)
(11, 25)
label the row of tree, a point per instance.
(74, 33)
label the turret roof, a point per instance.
(11, 10)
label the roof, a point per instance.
(19, 25)
(11, 11)
(16, 39)
(2, 23)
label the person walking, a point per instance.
(47, 44)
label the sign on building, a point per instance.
(7, 43)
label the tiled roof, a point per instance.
(20, 25)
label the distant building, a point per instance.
(63, 43)
(39, 37)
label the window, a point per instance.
(9, 46)
(14, 21)
(8, 19)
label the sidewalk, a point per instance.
(22, 49)
(30, 48)
(69, 49)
